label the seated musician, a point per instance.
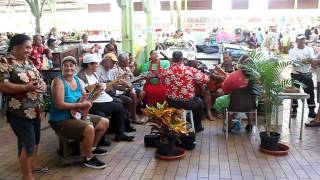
(180, 81)
(155, 90)
(108, 73)
(104, 104)
(124, 72)
(200, 90)
(235, 80)
(66, 92)
(227, 65)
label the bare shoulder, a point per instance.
(56, 84)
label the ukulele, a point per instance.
(137, 78)
(94, 92)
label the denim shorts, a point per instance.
(27, 131)
(137, 87)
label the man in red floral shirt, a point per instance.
(180, 81)
(38, 49)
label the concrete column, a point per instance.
(127, 26)
(171, 12)
(179, 23)
(150, 42)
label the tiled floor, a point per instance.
(213, 157)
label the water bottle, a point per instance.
(237, 124)
(50, 64)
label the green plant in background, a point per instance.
(36, 7)
(268, 82)
(46, 99)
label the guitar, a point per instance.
(94, 92)
(137, 78)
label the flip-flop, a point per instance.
(41, 170)
(312, 124)
(137, 122)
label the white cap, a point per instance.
(89, 58)
(301, 36)
(191, 57)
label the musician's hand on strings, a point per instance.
(85, 95)
(85, 104)
(102, 86)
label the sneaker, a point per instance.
(294, 113)
(130, 129)
(104, 143)
(94, 163)
(123, 137)
(99, 152)
(312, 114)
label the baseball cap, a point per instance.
(191, 57)
(89, 58)
(111, 56)
(301, 36)
(69, 58)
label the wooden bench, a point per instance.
(69, 151)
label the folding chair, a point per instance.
(241, 101)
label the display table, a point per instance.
(208, 59)
(303, 96)
(63, 51)
(50, 74)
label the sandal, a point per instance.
(312, 124)
(229, 128)
(41, 170)
(139, 122)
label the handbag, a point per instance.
(188, 142)
(151, 140)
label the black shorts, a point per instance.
(27, 131)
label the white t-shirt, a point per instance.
(298, 55)
(109, 75)
(104, 97)
(84, 46)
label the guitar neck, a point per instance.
(135, 79)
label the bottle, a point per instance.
(50, 64)
(44, 62)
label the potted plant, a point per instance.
(266, 74)
(169, 124)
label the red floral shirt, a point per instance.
(235, 80)
(36, 55)
(180, 81)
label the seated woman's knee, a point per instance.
(89, 131)
(103, 123)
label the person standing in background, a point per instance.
(308, 33)
(37, 52)
(259, 37)
(303, 56)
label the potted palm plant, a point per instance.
(266, 74)
(169, 124)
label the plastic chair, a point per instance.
(241, 101)
(185, 112)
